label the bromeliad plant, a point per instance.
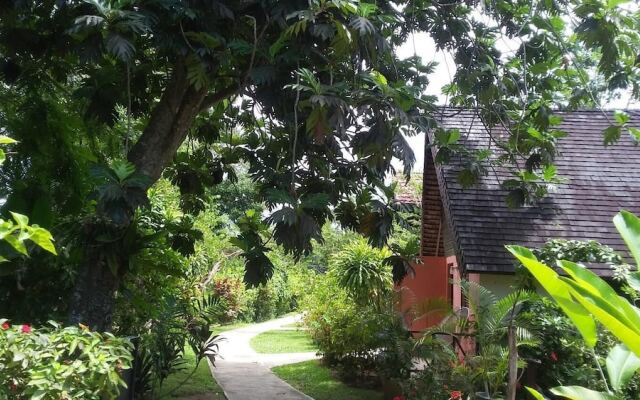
(585, 298)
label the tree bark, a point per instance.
(92, 300)
(168, 126)
(512, 363)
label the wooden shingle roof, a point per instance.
(600, 181)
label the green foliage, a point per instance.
(487, 323)
(258, 267)
(121, 190)
(577, 251)
(394, 361)
(615, 312)
(189, 383)
(230, 291)
(362, 337)
(317, 380)
(578, 393)
(361, 270)
(444, 373)
(334, 239)
(621, 365)
(182, 322)
(91, 82)
(561, 356)
(585, 298)
(282, 341)
(18, 232)
(263, 304)
(348, 337)
(54, 362)
(234, 198)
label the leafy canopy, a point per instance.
(310, 94)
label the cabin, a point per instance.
(464, 230)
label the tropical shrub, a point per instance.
(263, 303)
(394, 360)
(496, 327)
(561, 356)
(53, 363)
(162, 340)
(357, 289)
(443, 376)
(588, 251)
(361, 270)
(585, 298)
(230, 291)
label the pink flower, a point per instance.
(398, 398)
(456, 395)
(25, 328)
(553, 356)
(5, 326)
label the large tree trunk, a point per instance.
(168, 126)
(92, 300)
(93, 297)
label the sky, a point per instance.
(423, 46)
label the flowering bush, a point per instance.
(60, 363)
(230, 291)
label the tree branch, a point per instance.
(212, 99)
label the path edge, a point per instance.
(213, 376)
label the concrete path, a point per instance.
(244, 374)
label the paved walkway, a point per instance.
(244, 374)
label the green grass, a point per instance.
(200, 383)
(318, 381)
(298, 325)
(282, 341)
(223, 328)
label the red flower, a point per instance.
(456, 395)
(398, 398)
(5, 326)
(553, 356)
(25, 328)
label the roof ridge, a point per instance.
(578, 110)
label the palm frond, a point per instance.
(524, 337)
(501, 311)
(479, 297)
(429, 307)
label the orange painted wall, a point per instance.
(431, 280)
